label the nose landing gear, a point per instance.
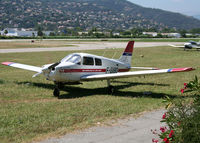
(56, 92)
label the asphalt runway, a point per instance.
(131, 130)
(87, 46)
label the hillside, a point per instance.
(197, 16)
(103, 14)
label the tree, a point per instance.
(183, 33)
(127, 33)
(6, 32)
(39, 32)
(195, 31)
(136, 31)
(52, 34)
(33, 34)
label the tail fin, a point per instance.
(127, 54)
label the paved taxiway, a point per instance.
(129, 130)
(87, 46)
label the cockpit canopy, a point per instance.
(193, 42)
(73, 58)
(82, 59)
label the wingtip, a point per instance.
(7, 63)
(181, 69)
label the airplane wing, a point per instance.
(176, 46)
(134, 73)
(23, 66)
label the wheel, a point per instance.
(56, 92)
(110, 90)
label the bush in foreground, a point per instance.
(183, 118)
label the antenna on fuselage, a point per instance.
(114, 53)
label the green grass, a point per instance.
(36, 44)
(145, 39)
(28, 110)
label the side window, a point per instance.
(98, 62)
(88, 61)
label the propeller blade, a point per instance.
(53, 65)
(37, 74)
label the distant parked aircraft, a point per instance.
(188, 45)
(79, 67)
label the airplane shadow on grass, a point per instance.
(1, 81)
(77, 92)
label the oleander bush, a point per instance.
(182, 117)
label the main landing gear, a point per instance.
(110, 88)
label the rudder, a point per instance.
(126, 57)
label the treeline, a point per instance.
(133, 33)
(95, 33)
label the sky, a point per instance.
(187, 7)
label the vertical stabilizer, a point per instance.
(127, 54)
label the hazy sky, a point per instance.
(189, 7)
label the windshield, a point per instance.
(72, 58)
(66, 58)
(75, 59)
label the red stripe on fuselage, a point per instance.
(82, 70)
(89, 70)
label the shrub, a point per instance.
(183, 118)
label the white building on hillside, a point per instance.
(174, 35)
(154, 34)
(22, 32)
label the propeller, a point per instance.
(52, 67)
(47, 69)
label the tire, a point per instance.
(110, 90)
(56, 92)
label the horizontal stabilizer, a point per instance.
(23, 66)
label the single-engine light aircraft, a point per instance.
(78, 67)
(188, 45)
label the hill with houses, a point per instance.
(86, 14)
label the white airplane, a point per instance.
(188, 45)
(78, 67)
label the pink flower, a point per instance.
(164, 116)
(185, 85)
(182, 90)
(154, 141)
(165, 140)
(171, 134)
(162, 129)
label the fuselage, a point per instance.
(192, 44)
(76, 65)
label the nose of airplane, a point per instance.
(187, 44)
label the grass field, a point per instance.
(28, 110)
(35, 44)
